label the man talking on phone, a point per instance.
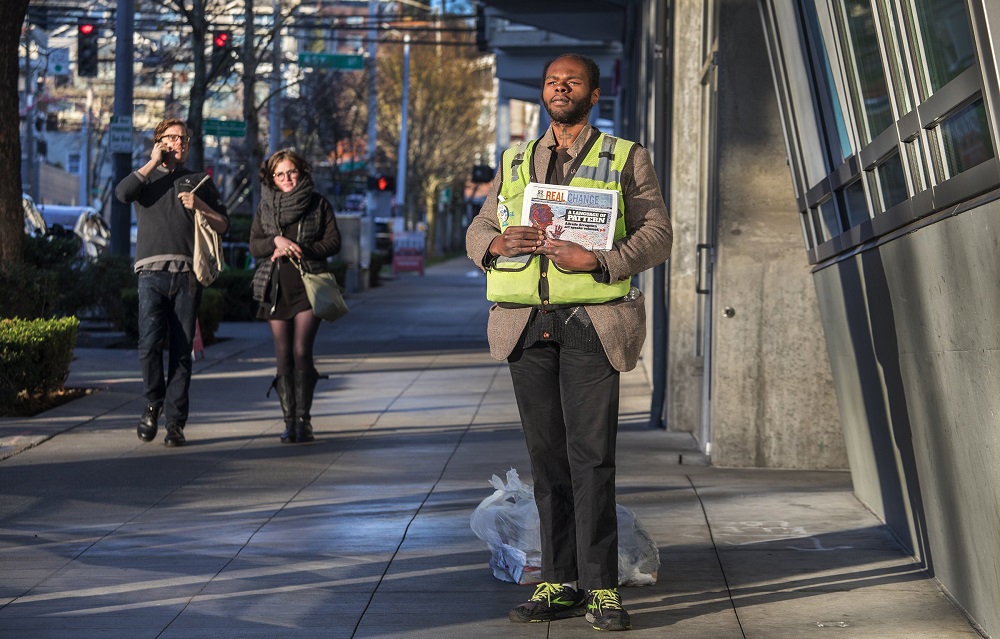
(163, 196)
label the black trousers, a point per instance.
(568, 401)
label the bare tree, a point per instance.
(12, 14)
(329, 122)
(201, 16)
(448, 87)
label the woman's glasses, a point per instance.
(286, 175)
(173, 138)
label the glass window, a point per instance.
(819, 45)
(872, 96)
(962, 141)
(942, 41)
(918, 168)
(828, 211)
(899, 66)
(817, 225)
(854, 203)
(892, 182)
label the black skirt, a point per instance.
(291, 293)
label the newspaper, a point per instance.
(571, 213)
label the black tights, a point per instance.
(293, 342)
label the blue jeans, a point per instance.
(168, 308)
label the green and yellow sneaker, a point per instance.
(550, 602)
(605, 611)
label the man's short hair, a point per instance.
(162, 127)
(593, 71)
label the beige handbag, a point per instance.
(207, 248)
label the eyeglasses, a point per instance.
(174, 138)
(289, 174)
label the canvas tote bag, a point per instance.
(207, 248)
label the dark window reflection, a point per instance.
(828, 210)
(942, 41)
(854, 202)
(874, 94)
(892, 182)
(964, 141)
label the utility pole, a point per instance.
(29, 124)
(85, 152)
(121, 213)
(372, 102)
(274, 105)
(403, 125)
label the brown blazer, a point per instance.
(620, 324)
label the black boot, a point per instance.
(285, 385)
(147, 423)
(305, 384)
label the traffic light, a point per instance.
(86, 50)
(222, 42)
(382, 183)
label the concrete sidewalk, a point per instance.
(365, 533)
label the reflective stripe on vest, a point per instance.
(516, 280)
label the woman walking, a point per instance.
(294, 227)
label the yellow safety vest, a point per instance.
(534, 280)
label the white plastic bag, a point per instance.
(507, 521)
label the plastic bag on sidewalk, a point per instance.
(507, 521)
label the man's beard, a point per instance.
(578, 112)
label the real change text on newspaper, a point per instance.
(576, 214)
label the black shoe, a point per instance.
(146, 430)
(175, 436)
(550, 602)
(605, 611)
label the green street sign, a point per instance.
(332, 61)
(225, 128)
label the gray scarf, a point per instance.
(280, 210)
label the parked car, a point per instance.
(34, 222)
(55, 219)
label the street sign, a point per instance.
(332, 61)
(225, 128)
(120, 134)
(59, 61)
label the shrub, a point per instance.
(59, 256)
(235, 284)
(26, 291)
(210, 313)
(35, 355)
(105, 277)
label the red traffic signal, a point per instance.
(220, 39)
(382, 183)
(86, 49)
